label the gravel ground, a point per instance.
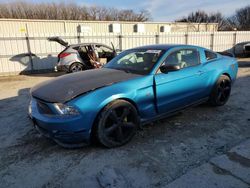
(160, 153)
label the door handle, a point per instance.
(200, 72)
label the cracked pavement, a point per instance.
(160, 154)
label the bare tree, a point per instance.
(241, 19)
(24, 10)
(203, 17)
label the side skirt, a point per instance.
(173, 112)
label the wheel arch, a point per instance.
(227, 74)
(120, 98)
(132, 102)
(219, 75)
(72, 62)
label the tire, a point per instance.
(117, 124)
(76, 67)
(221, 91)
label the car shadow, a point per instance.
(34, 64)
(244, 62)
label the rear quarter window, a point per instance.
(210, 55)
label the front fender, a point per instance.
(135, 90)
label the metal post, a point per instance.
(29, 48)
(78, 34)
(78, 38)
(235, 37)
(186, 38)
(157, 39)
(64, 24)
(120, 42)
(212, 41)
(234, 41)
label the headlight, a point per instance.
(63, 109)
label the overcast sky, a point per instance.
(165, 10)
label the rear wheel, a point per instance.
(117, 124)
(76, 67)
(221, 91)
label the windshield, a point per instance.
(138, 61)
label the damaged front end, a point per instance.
(60, 122)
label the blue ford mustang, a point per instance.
(138, 86)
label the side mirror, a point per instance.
(169, 68)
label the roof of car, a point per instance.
(153, 46)
(89, 43)
(164, 46)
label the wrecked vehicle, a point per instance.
(138, 86)
(79, 57)
(241, 49)
(247, 49)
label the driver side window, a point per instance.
(183, 58)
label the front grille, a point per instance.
(43, 108)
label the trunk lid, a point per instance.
(58, 40)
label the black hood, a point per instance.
(67, 87)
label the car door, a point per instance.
(105, 53)
(179, 88)
(83, 53)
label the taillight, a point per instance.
(62, 55)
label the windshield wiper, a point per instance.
(125, 70)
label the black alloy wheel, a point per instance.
(117, 124)
(221, 91)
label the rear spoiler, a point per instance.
(226, 54)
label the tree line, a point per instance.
(240, 20)
(55, 11)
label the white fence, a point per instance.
(22, 53)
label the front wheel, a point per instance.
(117, 124)
(221, 91)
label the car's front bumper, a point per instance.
(67, 131)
